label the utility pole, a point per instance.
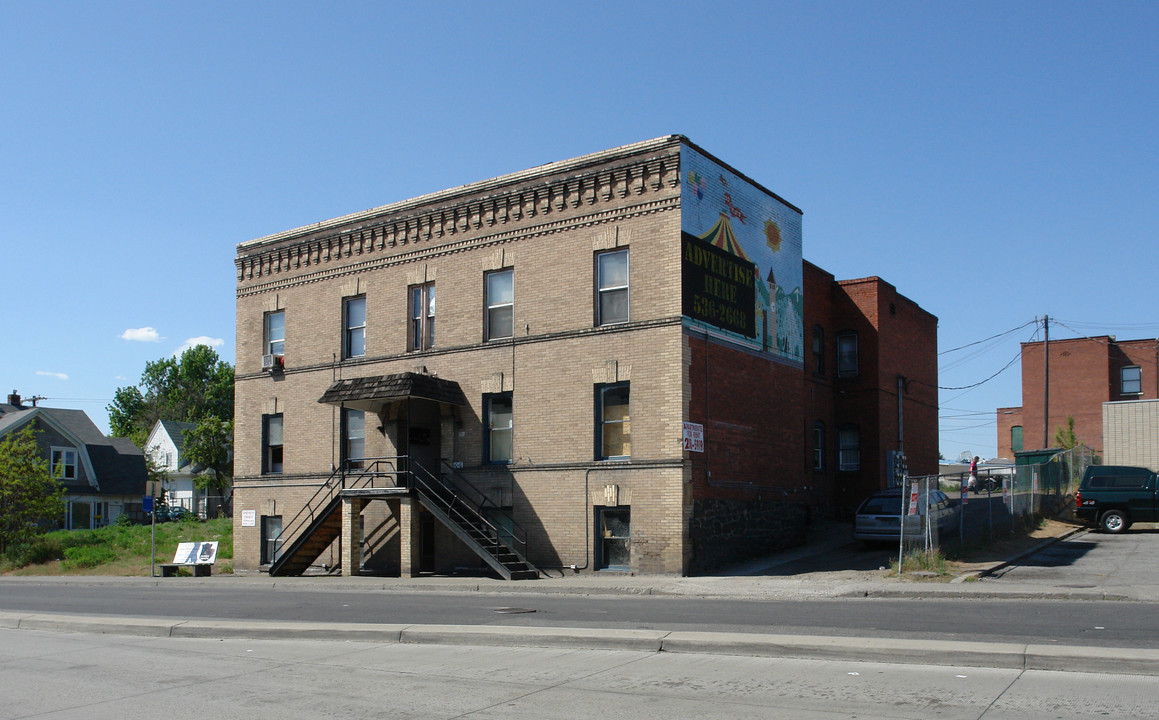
(1046, 383)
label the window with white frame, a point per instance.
(275, 333)
(500, 302)
(612, 287)
(353, 438)
(498, 421)
(64, 463)
(1131, 380)
(848, 448)
(272, 444)
(613, 421)
(847, 354)
(422, 316)
(354, 324)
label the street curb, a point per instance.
(1127, 661)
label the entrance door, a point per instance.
(424, 436)
(426, 542)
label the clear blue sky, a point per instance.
(996, 161)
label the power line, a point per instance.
(992, 337)
(1013, 360)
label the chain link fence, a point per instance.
(1004, 498)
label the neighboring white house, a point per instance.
(166, 446)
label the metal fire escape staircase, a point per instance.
(449, 497)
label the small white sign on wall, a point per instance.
(249, 518)
(694, 437)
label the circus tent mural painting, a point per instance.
(727, 212)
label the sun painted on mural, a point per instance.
(730, 213)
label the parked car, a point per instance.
(1115, 496)
(879, 517)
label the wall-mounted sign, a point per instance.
(249, 518)
(693, 437)
(718, 287)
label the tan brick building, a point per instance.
(596, 364)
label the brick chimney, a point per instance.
(14, 399)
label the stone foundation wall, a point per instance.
(724, 532)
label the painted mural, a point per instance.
(741, 259)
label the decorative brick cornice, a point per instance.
(434, 224)
(290, 260)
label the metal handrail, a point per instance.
(431, 485)
(518, 533)
(344, 477)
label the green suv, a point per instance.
(1114, 496)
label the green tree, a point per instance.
(195, 386)
(1065, 437)
(210, 445)
(29, 496)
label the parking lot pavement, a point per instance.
(1122, 564)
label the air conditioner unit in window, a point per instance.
(271, 362)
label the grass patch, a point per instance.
(932, 561)
(113, 550)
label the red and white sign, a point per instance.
(913, 499)
(694, 437)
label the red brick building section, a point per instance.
(896, 351)
(1084, 374)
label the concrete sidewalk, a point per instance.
(1133, 661)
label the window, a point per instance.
(847, 354)
(818, 350)
(275, 333)
(614, 530)
(272, 444)
(354, 322)
(64, 463)
(818, 445)
(271, 538)
(497, 419)
(848, 448)
(612, 287)
(422, 316)
(353, 438)
(1016, 438)
(613, 422)
(500, 305)
(1131, 381)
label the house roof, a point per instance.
(116, 465)
(176, 431)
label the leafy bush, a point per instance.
(87, 556)
(35, 552)
(123, 520)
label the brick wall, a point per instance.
(548, 230)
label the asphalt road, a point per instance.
(59, 675)
(1090, 623)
